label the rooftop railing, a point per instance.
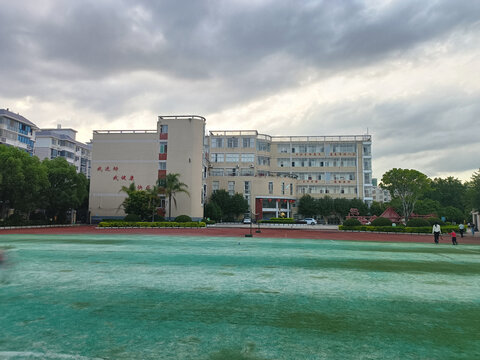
(124, 131)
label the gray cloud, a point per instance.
(115, 58)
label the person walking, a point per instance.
(461, 229)
(436, 232)
(454, 238)
(473, 229)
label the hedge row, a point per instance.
(158, 224)
(398, 229)
(278, 221)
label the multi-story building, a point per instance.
(122, 157)
(379, 194)
(273, 172)
(61, 142)
(17, 131)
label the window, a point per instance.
(248, 158)
(367, 149)
(232, 143)
(247, 172)
(231, 188)
(367, 178)
(291, 189)
(348, 162)
(162, 165)
(246, 189)
(164, 129)
(343, 147)
(367, 164)
(215, 186)
(283, 148)
(231, 172)
(217, 142)
(270, 187)
(163, 147)
(216, 157)
(248, 143)
(216, 172)
(263, 160)
(263, 146)
(232, 157)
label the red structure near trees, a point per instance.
(389, 213)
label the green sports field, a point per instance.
(159, 297)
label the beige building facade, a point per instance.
(273, 172)
(122, 157)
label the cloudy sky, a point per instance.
(405, 71)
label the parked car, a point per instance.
(247, 220)
(310, 221)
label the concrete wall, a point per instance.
(119, 159)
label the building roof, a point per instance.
(17, 117)
(54, 133)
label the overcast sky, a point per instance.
(405, 71)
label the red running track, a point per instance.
(242, 231)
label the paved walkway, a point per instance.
(240, 231)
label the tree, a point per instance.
(427, 206)
(213, 211)
(474, 191)
(341, 208)
(22, 180)
(452, 214)
(377, 208)
(407, 185)
(154, 199)
(360, 205)
(238, 205)
(448, 192)
(67, 189)
(307, 206)
(137, 203)
(170, 186)
(325, 207)
(226, 206)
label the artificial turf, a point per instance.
(177, 297)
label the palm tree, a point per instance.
(169, 186)
(127, 190)
(153, 198)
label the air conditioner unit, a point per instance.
(251, 165)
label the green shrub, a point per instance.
(150, 224)
(183, 219)
(132, 218)
(381, 221)
(275, 220)
(417, 222)
(352, 222)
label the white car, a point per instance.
(247, 221)
(310, 221)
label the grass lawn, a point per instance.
(178, 297)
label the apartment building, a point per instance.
(122, 157)
(61, 142)
(273, 172)
(379, 194)
(17, 131)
